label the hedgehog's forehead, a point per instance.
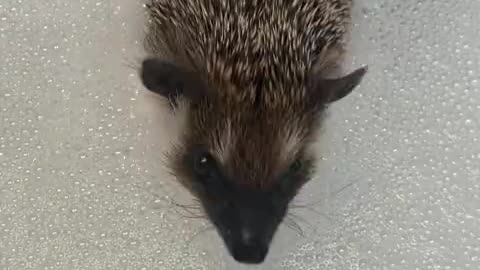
(254, 145)
(238, 138)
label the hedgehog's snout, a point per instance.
(248, 250)
(248, 225)
(249, 239)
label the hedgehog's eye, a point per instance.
(203, 164)
(295, 167)
(292, 171)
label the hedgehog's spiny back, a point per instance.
(243, 46)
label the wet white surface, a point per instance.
(82, 184)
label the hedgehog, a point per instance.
(249, 80)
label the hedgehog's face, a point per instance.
(244, 182)
(244, 161)
(245, 216)
(245, 167)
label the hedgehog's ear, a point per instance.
(330, 90)
(170, 81)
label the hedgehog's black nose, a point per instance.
(247, 226)
(249, 252)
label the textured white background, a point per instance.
(82, 184)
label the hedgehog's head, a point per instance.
(244, 152)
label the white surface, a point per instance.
(82, 184)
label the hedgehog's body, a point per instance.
(249, 46)
(250, 73)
